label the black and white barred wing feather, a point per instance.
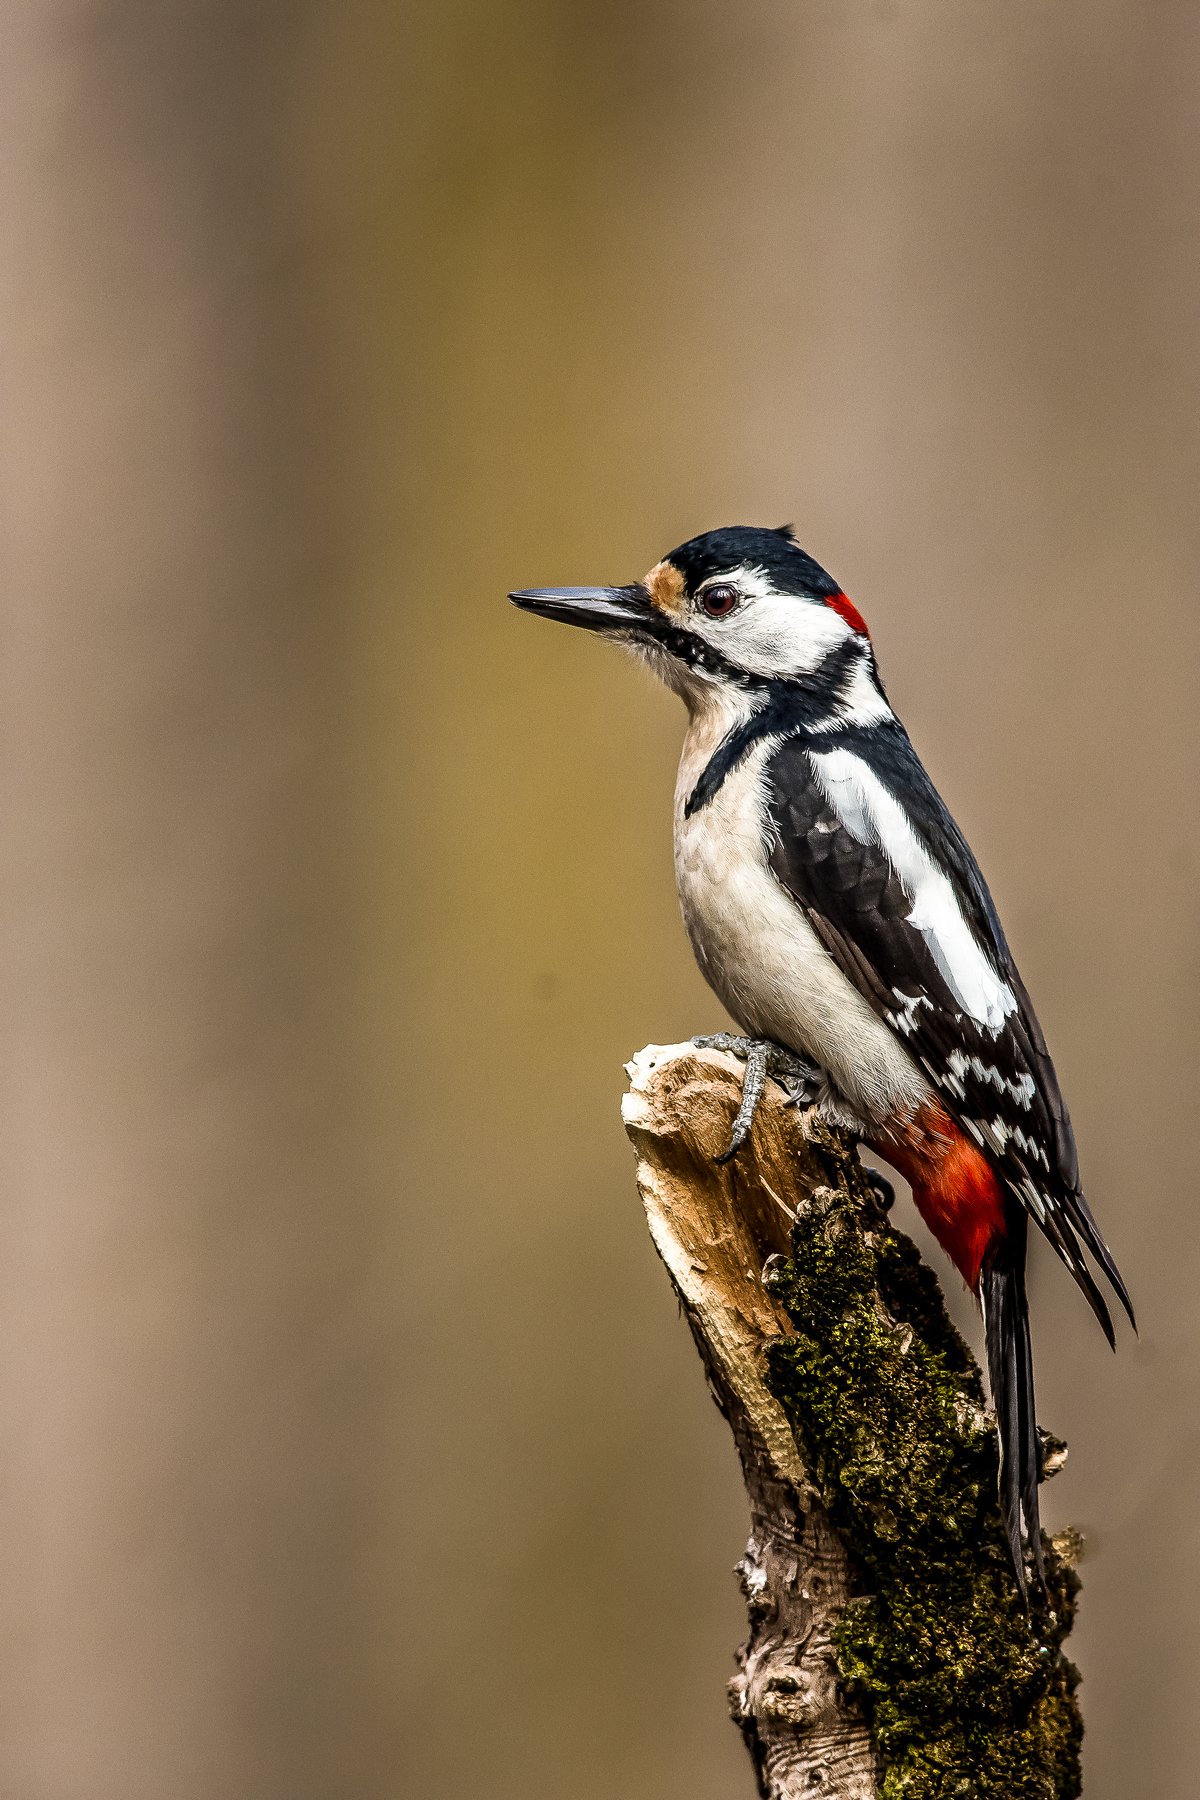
(896, 897)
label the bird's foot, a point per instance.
(882, 1188)
(765, 1059)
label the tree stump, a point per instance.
(889, 1652)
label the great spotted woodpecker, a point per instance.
(836, 910)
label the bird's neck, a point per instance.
(725, 723)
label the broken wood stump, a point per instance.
(889, 1652)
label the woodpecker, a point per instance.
(835, 909)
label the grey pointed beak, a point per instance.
(595, 608)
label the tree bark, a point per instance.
(888, 1651)
(716, 1231)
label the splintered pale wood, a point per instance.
(716, 1228)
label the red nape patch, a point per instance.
(957, 1191)
(845, 608)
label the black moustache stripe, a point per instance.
(692, 651)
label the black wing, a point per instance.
(999, 1084)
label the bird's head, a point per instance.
(737, 610)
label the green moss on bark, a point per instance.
(970, 1698)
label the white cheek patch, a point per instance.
(873, 815)
(770, 633)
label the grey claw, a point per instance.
(883, 1188)
(763, 1058)
(753, 1083)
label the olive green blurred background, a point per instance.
(352, 1446)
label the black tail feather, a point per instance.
(1067, 1246)
(1010, 1370)
(1080, 1214)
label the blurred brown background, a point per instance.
(352, 1446)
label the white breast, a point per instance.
(759, 953)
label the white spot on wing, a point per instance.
(874, 816)
(1021, 1090)
(904, 1019)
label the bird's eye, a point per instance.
(719, 599)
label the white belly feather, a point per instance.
(759, 953)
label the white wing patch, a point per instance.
(873, 815)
